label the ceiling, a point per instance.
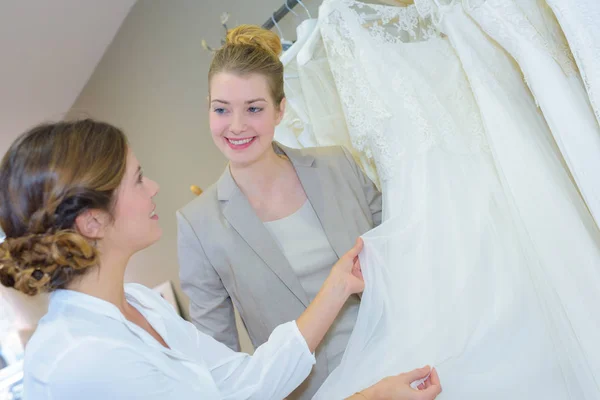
(48, 51)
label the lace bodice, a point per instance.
(415, 98)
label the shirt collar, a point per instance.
(72, 298)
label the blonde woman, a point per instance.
(266, 235)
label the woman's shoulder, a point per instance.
(69, 343)
(321, 151)
(147, 296)
(203, 204)
(321, 156)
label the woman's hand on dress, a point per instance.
(345, 278)
(398, 387)
(346, 274)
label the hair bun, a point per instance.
(254, 35)
(40, 262)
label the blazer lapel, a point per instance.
(323, 199)
(240, 214)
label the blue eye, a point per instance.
(255, 110)
(219, 110)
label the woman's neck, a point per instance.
(262, 175)
(106, 281)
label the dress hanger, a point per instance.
(305, 27)
(224, 18)
(285, 44)
(290, 9)
(305, 9)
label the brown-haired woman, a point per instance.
(265, 236)
(75, 206)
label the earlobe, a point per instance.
(90, 224)
(281, 111)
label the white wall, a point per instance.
(152, 82)
(49, 50)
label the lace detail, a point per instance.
(426, 8)
(391, 24)
(513, 25)
(579, 21)
(357, 98)
(415, 97)
(434, 9)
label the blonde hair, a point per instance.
(49, 176)
(250, 49)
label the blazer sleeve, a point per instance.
(372, 194)
(211, 308)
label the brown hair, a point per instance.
(49, 176)
(250, 49)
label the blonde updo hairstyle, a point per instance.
(49, 176)
(250, 49)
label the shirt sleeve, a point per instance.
(275, 369)
(82, 374)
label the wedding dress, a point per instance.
(529, 31)
(487, 263)
(323, 101)
(579, 21)
(314, 114)
(295, 129)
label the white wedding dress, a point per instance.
(528, 30)
(487, 263)
(579, 21)
(295, 129)
(314, 115)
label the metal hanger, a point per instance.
(285, 44)
(303, 6)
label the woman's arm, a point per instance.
(282, 363)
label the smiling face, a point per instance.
(135, 224)
(243, 116)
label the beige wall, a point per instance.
(152, 83)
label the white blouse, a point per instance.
(84, 348)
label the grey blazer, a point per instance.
(227, 257)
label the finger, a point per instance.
(357, 271)
(415, 374)
(356, 264)
(427, 382)
(430, 393)
(355, 251)
(434, 377)
(434, 387)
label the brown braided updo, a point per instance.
(49, 176)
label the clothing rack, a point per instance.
(280, 13)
